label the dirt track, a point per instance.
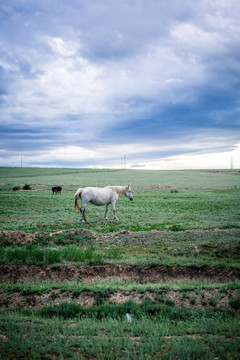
(84, 273)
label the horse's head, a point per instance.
(128, 193)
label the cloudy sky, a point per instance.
(85, 82)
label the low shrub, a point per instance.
(192, 301)
(213, 302)
(235, 303)
(177, 227)
(26, 187)
(174, 191)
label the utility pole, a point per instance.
(124, 162)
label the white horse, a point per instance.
(101, 196)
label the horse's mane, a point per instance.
(119, 189)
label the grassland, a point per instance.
(162, 200)
(172, 262)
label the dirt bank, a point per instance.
(84, 273)
(22, 300)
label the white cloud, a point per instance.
(196, 40)
(107, 155)
(63, 48)
(212, 160)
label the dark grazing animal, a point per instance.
(56, 189)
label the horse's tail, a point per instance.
(76, 196)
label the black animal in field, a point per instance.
(56, 189)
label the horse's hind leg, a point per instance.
(105, 216)
(83, 217)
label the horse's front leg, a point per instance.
(106, 211)
(114, 210)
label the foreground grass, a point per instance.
(158, 329)
(168, 333)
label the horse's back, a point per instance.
(97, 196)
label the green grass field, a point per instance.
(185, 223)
(182, 200)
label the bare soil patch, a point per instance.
(17, 237)
(85, 273)
(21, 237)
